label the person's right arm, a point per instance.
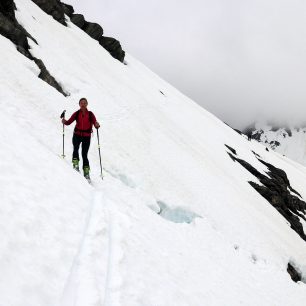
(70, 120)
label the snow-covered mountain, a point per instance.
(284, 139)
(189, 213)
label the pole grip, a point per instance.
(63, 114)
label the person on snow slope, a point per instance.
(85, 119)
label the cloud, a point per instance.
(238, 59)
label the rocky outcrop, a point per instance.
(11, 29)
(78, 20)
(54, 8)
(294, 274)
(68, 9)
(113, 47)
(47, 77)
(7, 7)
(95, 31)
(57, 10)
(276, 189)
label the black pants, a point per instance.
(76, 141)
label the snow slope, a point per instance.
(65, 242)
(290, 142)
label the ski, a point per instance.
(87, 177)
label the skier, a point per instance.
(82, 132)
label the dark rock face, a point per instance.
(274, 144)
(257, 135)
(11, 29)
(47, 77)
(7, 7)
(53, 8)
(78, 20)
(231, 149)
(277, 191)
(94, 30)
(295, 276)
(57, 10)
(68, 9)
(113, 47)
(14, 33)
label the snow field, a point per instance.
(67, 243)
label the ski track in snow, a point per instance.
(97, 262)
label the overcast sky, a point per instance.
(239, 59)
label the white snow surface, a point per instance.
(65, 242)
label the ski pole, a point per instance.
(99, 153)
(63, 117)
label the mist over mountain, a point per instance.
(241, 60)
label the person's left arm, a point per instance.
(95, 122)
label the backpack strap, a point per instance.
(77, 115)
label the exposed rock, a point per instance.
(274, 144)
(58, 10)
(7, 8)
(113, 47)
(257, 135)
(94, 30)
(11, 29)
(277, 191)
(78, 20)
(68, 9)
(238, 131)
(54, 8)
(231, 149)
(47, 77)
(294, 274)
(257, 155)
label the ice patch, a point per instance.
(177, 214)
(122, 177)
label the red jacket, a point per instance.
(84, 122)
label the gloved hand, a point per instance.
(64, 120)
(97, 125)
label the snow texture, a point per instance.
(64, 242)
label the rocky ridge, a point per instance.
(276, 189)
(289, 141)
(11, 29)
(58, 10)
